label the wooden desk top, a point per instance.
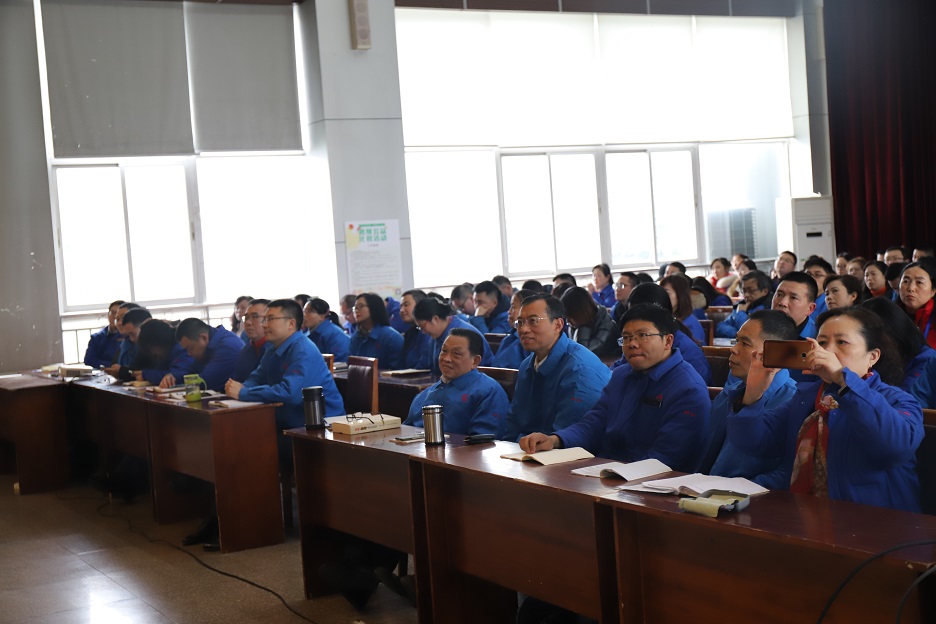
(18, 381)
(379, 440)
(106, 383)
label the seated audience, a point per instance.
(892, 276)
(215, 351)
(130, 317)
(290, 364)
(534, 285)
(592, 325)
(796, 297)
(374, 337)
(680, 294)
(127, 349)
(895, 255)
(785, 263)
(417, 345)
(656, 406)
(924, 390)
(393, 312)
(876, 282)
(510, 353)
(842, 291)
(622, 290)
(913, 352)
(250, 356)
(491, 307)
(848, 435)
(719, 268)
(463, 301)
(856, 267)
(922, 252)
(818, 269)
(325, 330)
(673, 268)
(713, 296)
(722, 458)
(560, 381)
(841, 263)
(160, 359)
(917, 289)
(755, 286)
(736, 261)
(601, 287)
(504, 285)
(237, 317)
(346, 305)
(104, 343)
(472, 403)
(564, 277)
(560, 289)
(746, 266)
(436, 320)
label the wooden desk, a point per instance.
(235, 449)
(395, 393)
(32, 417)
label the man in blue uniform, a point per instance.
(656, 406)
(796, 297)
(755, 286)
(293, 363)
(492, 305)
(214, 349)
(472, 402)
(818, 269)
(129, 322)
(127, 349)
(722, 457)
(104, 343)
(560, 381)
(252, 352)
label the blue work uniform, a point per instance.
(103, 347)
(725, 459)
(806, 330)
(660, 413)
(873, 438)
(393, 312)
(249, 359)
(282, 374)
(730, 326)
(924, 390)
(381, 342)
(497, 324)
(691, 353)
(721, 301)
(510, 353)
(179, 365)
(127, 352)
(695, 328)
(567, 385)
(821, 306)
(329, 338)
(605, 296)
(220, 359)
(479, 323)
(417, 349)
(471, 404)
(487, 358)
(914, 369)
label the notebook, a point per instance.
(698, 485)
(629, 472)
(555, 456)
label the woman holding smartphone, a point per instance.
(849, 435)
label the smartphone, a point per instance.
(479, 438)
(786, 353)
(416, 437)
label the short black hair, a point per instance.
(789, 253)
(750, 264)
(678, 265)
(136, 316)
(265, 302)
(290, 308)
(895, 270)
(535, 285)
(462, 291)
(819, 262)
(565, 277)
(475, 340)
(763, 280)
(554, 308)
(348, 300)
(302, 299)
(798, 277)
(117, 303)
(500, 280)
(192, 328)
(775, 325)
(129, 305)
(428, 307)
(650, 293)
(651, 313)
(417, 294)
(156, 335)
(644, 278)
(488, 287)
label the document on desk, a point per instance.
(231, 403)
(698, 485)
(629, 472)
(555, 456)
(406, 371)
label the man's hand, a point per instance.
(232, 388)
(138, 375)
(539, 442)
(168, 381)
(112, 370)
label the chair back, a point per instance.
(718, 313)
(329, 362)
(714, 391)
(506, 377)
(708, 326)
(718, 359)
(926, 463)
(494, 341)
(361, 394)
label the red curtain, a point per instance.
(881, 67)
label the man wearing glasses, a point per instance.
(655, 406)
(755, 286)
(249, 358)
(560, 380)
(291, 363)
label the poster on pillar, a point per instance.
(374, 260)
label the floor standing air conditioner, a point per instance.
(805, 226)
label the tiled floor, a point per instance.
(65, 561)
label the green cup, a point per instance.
(193, 387)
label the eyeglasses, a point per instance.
(532, 321)
(360, 306)
(640, 338)
(750, 291)
(266, 319)
(620, 286)
(253, 317)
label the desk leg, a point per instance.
(40, 438)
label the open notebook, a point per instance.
(555, 456)
(629, 472)
(698, 485)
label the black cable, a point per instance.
(861, 566)
(913, 585)
(141, 532)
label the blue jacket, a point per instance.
(471, 404)
(381, 342)
(329, 338)
(821, 306)
(220, 360)
(873, 438)
(510, 353)
(809, 331)
(566, 386)
(486, 358)
(127, 352)
(725, 460)
(605, 297)
(721, 301)
(180, 364)
(730, 326)
(282, 374)
(925, 387)
(393, 311)
(695, 328)
(479, 323)
(914, 370)
(497, 324)
(660, 413)
(249, 359)
(102, 348)
(419, 351)
(691, 353)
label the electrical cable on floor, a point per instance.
(913, 585)
(871, 559)
(141, 532)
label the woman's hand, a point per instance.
(591, 288)
(824, 364)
